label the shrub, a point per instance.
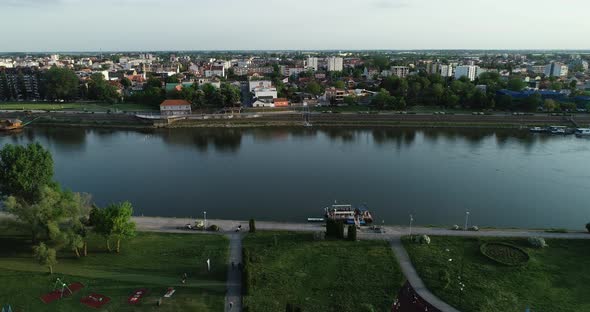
(352, 232)
(537, 242)
(455, 228)
(367, 307)
(588, 227)
(425, 239)
(252, 226)
(213, 228)
(474, 228)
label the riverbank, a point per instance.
(294, 119)
(176, 225)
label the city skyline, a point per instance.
(136, 25)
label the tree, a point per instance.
(24, 170)
(516, 84)
(230, 94)
(382, 99)
(339, 84)
(532, 102)
(61, 84)
(74, 242)
(313, 88)
(102, 90)
(125, 82)
(438, 91)
(252, 226)
(45, 256)
(114, 222)
(43, 218)
(549, 105)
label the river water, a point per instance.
(505, 178)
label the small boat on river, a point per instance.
(537, 130)
(583, 132)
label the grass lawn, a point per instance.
(319, 275)
(91, 107)
(151, 260)
(554, 279)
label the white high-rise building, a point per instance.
(335, 63)
(446, 70)
(312, 63)
(400, 71)
(556, 69)
(469, 71)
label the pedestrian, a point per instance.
(231, 305)
(233, 265)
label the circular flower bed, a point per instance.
(505, 253)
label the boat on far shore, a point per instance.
(10, 124)
(583, 132)
(537, 129)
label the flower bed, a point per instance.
(505, 253)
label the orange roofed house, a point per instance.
(175, 108)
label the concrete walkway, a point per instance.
(412, 276)
(234, 275)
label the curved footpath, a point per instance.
(392, 234)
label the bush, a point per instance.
(474, 228)
(425, 239)
(455, 228)
(537, 242)
(588, 227)
(252, 226)
(213, 228)
(367, 307)
(352, 232)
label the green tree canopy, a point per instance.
(516, 84)
(61, 84)
(114, 222)
(24, 170)
(313, 88)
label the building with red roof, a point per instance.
(175, 108)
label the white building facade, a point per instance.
(335, 63)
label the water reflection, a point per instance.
(221, 139)
(399, 136)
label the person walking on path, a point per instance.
(231, 305)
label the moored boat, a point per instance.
(348, 214)
(583, 132)
(537, 129)
(557, 130)
(10, 124)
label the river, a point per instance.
(504, 178)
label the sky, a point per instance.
(134, 25)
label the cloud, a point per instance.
(390, 4)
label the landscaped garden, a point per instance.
(307, 272)
(499, 274)
(153, 261)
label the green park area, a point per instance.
(313, 274)
(554, 278)
(154, 261)
(76, 106)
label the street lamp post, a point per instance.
(205, 217)
(411, 220)
(466, 219)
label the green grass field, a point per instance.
(90, 107)
(319, 275)
(555, 278)
(150, 260)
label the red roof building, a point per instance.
(175, 108)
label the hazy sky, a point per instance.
(107, 25)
